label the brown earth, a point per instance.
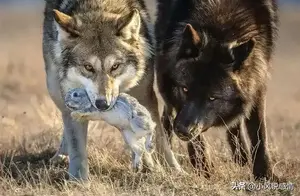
(30, 126)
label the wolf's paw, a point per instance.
(269, 176)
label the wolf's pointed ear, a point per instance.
(189, 47)
(130, 26)
(67, 26)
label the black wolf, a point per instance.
(213, 61)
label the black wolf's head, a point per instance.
(214, 60)
(201, 81)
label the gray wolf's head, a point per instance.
(103, 53)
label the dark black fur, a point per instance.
(207, 81)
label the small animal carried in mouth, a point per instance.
(128, 115)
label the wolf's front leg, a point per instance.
(163, 147)
(76, 138)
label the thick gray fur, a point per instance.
(92, 32)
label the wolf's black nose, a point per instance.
(182, 132)
(101, 104)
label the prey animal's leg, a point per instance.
(133, 160)
(145, 139)
(149, 142)
(76, 138)
(136, 148)
(137, 161)
(147, 156)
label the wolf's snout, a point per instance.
(183, 132)
(102, 104)
(181, 129)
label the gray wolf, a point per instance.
(131, 118)
(213, 62)
(105, 47)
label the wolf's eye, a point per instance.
(115, 66)
(212, 98)
(89, 67)
(185, 89)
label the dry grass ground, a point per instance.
(30, 127)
